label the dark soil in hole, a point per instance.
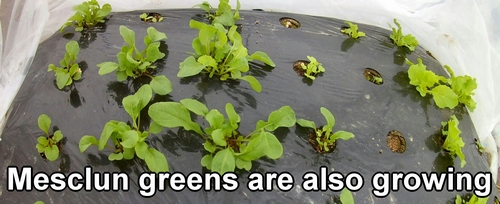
(59, 146)
(314, 143)
(396, 142)
(156, 16)
(233, 142)
(373, 76)
(297, 67)
(289, 22)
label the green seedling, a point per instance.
(151, 18)
(453, 142)
(352, 30)
(69, 70)
(313, 68)
(134, 63)
(346, 196)
(221, 52)
(48, 144)
(39, 202)
(224, 14)
(473, 200)
(129, 140)
(87, 15)
(325, 137)
(479, 146)
(227, 148)
(447, 93)
(403, 40)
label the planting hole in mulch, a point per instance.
(289, 22)
(396, 142)
(315, 144)
(373, 76)
(297, 67)
(151, 17)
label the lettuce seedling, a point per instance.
(352, 30)
(224, 14)
(447, 93)
(313, 68)
(453, 142)
(69, 70)
(87, 15)
(48, 144)
(325, 137)
(346, 196)
(473, 200)
(403, 40)
(227, 148)
(151, 18)
(134, 63)
(128, 140)
(221, 52)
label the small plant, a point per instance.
(134, 63)
(48, 145)
(128, 140)
(447, 93)
(324, 139)
(352, 30)
(216, 56)
(87, 15)
(453, 142)
(346, 196)
(479, 146)
(403, 40)
(69, 70)
(473, 200)
(151, 17)
(39, 202)
(228, 149)
(313, 68)
(224, 14)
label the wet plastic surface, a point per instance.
(369, 111)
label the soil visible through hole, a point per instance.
(396, 142)
(314, 143)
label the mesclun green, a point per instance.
(48, 144)
(224, 14)
(214, 55)
(403, 40)
(87, 15)
(152, 18)
(447, 93)
(69, 70)
(453, 142)
(352, 30)
(325, 135)
(39, 202)
(128, 140)
(134, 63)
(313, 68)
(227, 148)
(346, 196)
(473, 200)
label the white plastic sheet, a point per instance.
(463, 34)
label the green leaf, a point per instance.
(283, 117)
(131, 104)
(330, 120)
(189, 67)
(39, 202)
(156, 161)
(458, 200)
(107, 67)
(109, 128)
(128, 153)
(218, 137)
(171, 115)
(195, 106)
(40, 148)
(51, 152)
(141, 149)
(43, 141)
(453, 141)
(128, 35)
(233, 117)
(225, 19)
(144, 95)
(341, 135)
(44, 122)
(206, 60)
(62, 79)
(254, 83)
(206, 33)
(215, 119)
(57, 136)
(72, 48)
(243, 164)
(155, 128)
(153, 53)
(86, 141)
(161, 85)
(103, 12)
(115, 156)
(209, 147)
(129, 139)
(444, 97)
(306, 123)
(206, 161)
(346, 196)
(263, 57)
(223, 161)
(155, 35)
(196, 24)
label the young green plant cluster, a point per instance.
(313, 68)
(87, 15)
(473, 200)
(227, 148)
(453, 142)
(401, 40)
(223, 14)
(127, 140)
(352, 30)
(48, 144)
(151, 18)
(447, 92)
(69, 71)
(325, 137)
(220, 52)
(134, 63)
